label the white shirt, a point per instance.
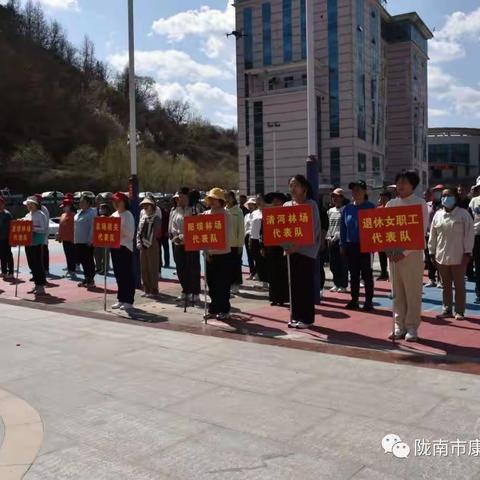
(176, 222)
(127, 229)
(256, 225)
(47, 216)
(475, 208)
(411, 200)
(248, 222)
(451, 236)
(158, 213)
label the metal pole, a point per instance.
(274, 160)
(205, 286)
(131, 90)
(105, 268)
(18, 270)
(392, 281)
(290, 286)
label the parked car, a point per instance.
(53, 226)
(106, 195)
(77, 195)
(52, 196)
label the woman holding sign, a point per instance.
(359, 264)
(35, 250)
(407, 266)
(122, 258)
(302, 259)
(219, 262)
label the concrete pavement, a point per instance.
(120, 401)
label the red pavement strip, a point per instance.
(450, 345)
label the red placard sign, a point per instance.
(288, 226)
(106, 232)
(395, 228)
(205, 232)
(21, 233)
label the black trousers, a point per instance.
(46, 258)
(338, 266)
(35, 263)
(321, 267)
(302, 270)
(6, 257)
(70, 255)
(236, 261)
(219, 273)
(277, 275)
(259, 261)
(84, 254)
(382, 256)
(251, 261)
(164, 244)
(122, 261)
(430, 266)
(188, 270)
(359, 264)
(476, 262)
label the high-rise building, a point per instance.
(371, 92)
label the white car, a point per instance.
(53, 227)
(53, 196)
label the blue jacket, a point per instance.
(349, 231)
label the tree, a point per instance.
(178, 111)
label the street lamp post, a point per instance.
(274, 126)
(312, 154)
(133, 188)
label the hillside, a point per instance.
(64, 119)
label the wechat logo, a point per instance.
(393, 444)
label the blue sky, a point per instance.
(182, 45)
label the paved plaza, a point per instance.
(120, 401)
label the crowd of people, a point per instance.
(452, 248)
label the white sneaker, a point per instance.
(181, 298)
(459, 316)
(341, 290)
(302, 326)
(126, 306)
(398, 334)
(411, 335)
(431, 284)
(334, 289)
(116, 305)
(292, 324)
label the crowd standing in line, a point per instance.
(452, 233)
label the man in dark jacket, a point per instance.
(6, 258)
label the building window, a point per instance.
(360, 69)
(248, 37)
(335, 167)
(258, 143)
(288, 82)
(319, 133)
(362, 165)
(375, 74)
(247, 161)
(304, 79)
(271, 83)
(333, 75)
(377, 170)
(287, 31)
(303, 28)
(247, 123)
(267, 33)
